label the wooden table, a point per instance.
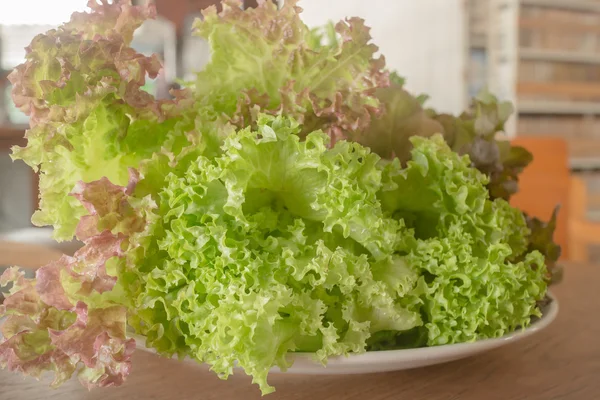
(562, 362)
(26, 255)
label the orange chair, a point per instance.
(544, 184)
(582, 231)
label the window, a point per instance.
(24, 19)
(39, 12)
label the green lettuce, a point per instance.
(389, 134)
(253, 216)
(279, 245)
(471, 285)
(474, 132)
(81, 85)
(268, 58)
(541, 239)
(274, 246)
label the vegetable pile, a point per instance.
(291, 198)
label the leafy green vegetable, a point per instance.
(389, 135)
(541, 239)
(469, 287)
(253, 216)
(66, 320)
(82, 88)
(268, 58)
(280, 245)
(273, 246)
(473, 133)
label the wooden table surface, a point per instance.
(561, 362)
(26, 255)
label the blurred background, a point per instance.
(543, 55)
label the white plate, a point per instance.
(395, 360)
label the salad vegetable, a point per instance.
(289, 199)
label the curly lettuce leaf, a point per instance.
(276, 245)
(268, 58)
(68, 319)
(81, 85)
(220, 228)
(473, 132)
(403, 117)
(282, 245)
(542, 239)
(478, 278)
(466, 295)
